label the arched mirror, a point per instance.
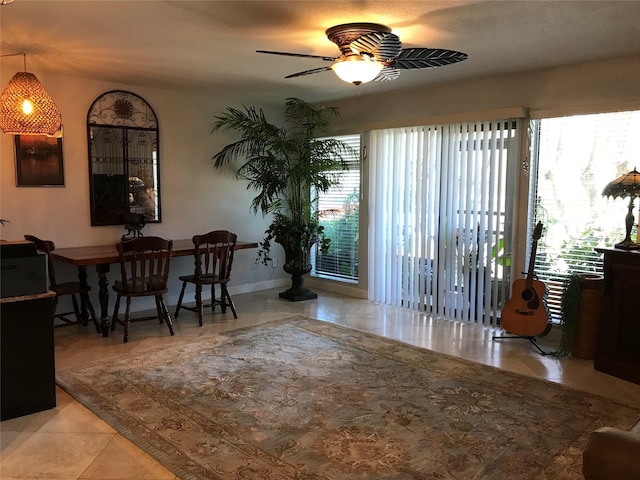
(124, 159)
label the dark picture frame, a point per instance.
(39, 161)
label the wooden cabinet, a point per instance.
(27, 368)
(618, 351)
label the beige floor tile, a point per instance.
(54, 455)
(75, 418)
(29, 423)
(31, 478)
(9, 442)
(132, 464)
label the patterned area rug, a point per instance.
(307, 400)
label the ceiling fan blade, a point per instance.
(387, 74)
(303, 55)
(383, 46)
(412, 58)
(308, 72)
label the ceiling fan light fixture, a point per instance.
(357, 69)
(369, 51)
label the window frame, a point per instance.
(118, 189)
(330, 212)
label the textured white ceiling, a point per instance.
(211, 44)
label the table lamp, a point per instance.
(627, 185)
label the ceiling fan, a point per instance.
(369, 51)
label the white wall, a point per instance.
(585, 88)
(195, 197)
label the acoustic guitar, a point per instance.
(525, 314)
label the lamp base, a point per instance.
(628, 244)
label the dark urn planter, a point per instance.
(297, 264)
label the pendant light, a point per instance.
(26, 108)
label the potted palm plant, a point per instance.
(284, 165)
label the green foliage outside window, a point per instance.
(341, 226)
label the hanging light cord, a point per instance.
(24, 56)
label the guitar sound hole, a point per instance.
(528, 295)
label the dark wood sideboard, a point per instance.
(27, 357)
(618, 351)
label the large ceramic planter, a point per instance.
(297, 264)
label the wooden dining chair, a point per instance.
(73, 289)
(213, 260)
(144, 270)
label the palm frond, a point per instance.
(283, 162)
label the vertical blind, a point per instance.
(439, 231)
(339, 213)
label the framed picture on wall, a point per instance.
(39, 161)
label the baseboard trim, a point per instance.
(254, 287)
(335, 287)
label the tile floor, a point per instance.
(70, 443)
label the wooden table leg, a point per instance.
(82, 278)
(103, 295)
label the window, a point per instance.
(575, 158)
(339, 213)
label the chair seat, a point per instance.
(68, 288)
(202, 279)
(138, 285)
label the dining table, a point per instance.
(102, 256)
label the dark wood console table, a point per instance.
(618, 350)
(102, 256)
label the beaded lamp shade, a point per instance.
(625, 186)
(26, 108)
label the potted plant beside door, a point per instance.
(581, 309)
(284, 165)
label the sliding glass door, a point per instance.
(440, 203)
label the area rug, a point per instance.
(301, 399)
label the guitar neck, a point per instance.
(532, 257)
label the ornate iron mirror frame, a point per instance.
(124, 159)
